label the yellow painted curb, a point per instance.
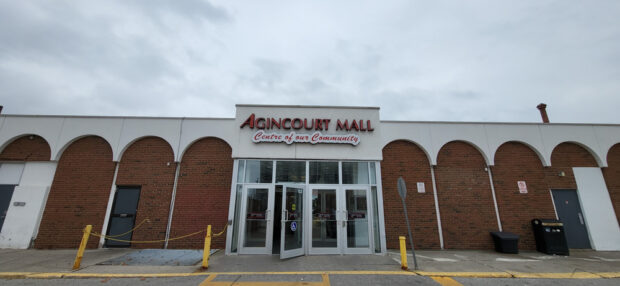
(571, 275)
(59, 275)
(13, 275)
(111, 275)
(466, 274)
(609, 274)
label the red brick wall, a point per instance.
(563, 158)
(402, 158)
(79, 194)
(517, 162)
(203, 193)
(612, 177)
(465, 199)
(26, 149)
(149, 163)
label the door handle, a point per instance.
(580, 218)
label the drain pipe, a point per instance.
(499, 222)
(437, 207)
(174, 195)
(106, 220)
(174, 187)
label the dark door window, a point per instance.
(123, 216)
(6, 193)
(569, 212)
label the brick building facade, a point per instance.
(194, 172)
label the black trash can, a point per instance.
(550, 236)
(505, 242)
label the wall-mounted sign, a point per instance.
(310, 124)
(421, 188)
(317, 124)
(314, 138)
(522, 187)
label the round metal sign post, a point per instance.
(402, 191)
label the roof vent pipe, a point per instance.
(543, 112)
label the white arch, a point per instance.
(609, 150)
(538, 153)
(480, 150)
(428, 155)
(593, 153)
(189, 145)
(8, 142)
(58, 153)
(126, 146)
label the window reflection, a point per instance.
(323, 172)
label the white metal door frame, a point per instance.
(344, 226)
(293, 252)
(268, 217)
(323, 250)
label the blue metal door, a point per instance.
(569, 212)
(6, 193)
(123, 216)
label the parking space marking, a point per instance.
(446, 281)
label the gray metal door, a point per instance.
(6, 193)
(123, 216)
(569, 212)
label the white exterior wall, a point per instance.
(180, 133)
(119, 132)
(597, 210)
(488, 137)
(22, 222)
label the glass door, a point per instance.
(326, 221)
(257, 224)
(291, 232)
(356, 224)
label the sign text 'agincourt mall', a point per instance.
(316, 124)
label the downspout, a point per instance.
(174, 187)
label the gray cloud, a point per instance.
(417, 60)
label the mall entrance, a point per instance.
(309, 207)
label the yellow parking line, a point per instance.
(208, 280)
(446, 281)
(325, 279)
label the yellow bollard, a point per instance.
(403, 253)
(80, 254)
(207, 251)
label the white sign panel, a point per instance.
(421, 188)
(522, 187)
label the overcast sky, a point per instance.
(416, 60)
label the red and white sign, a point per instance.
(522, 187)
(266, 123)
(314, 138)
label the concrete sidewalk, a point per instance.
(592, 264)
